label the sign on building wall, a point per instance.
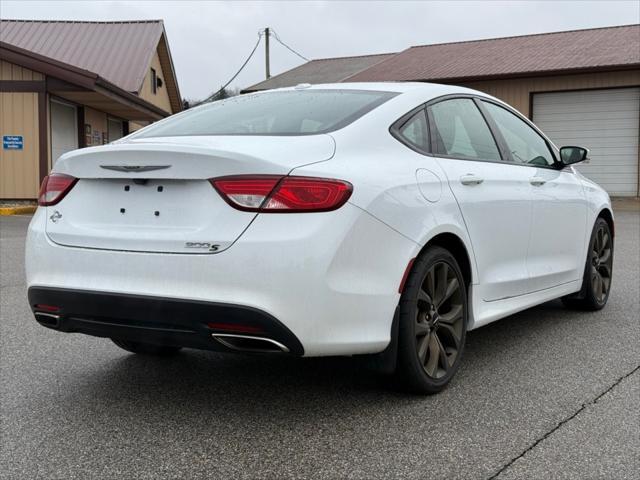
(87, 135)
(12, 142)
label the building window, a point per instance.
(154, 81)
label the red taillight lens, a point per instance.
(275, 194)
(47, 308)
(54, 187)
(232, 327)
(246, 192)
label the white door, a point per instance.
(555, 254)
(604, 121)
(64, 128)
(494, 196)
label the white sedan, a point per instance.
(382, 219)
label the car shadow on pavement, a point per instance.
(212, 380)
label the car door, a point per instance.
(556, 249)
(494, 196)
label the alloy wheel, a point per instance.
(439, 320)
(601, 263)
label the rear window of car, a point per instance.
(289, 112)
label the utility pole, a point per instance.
(266, 52)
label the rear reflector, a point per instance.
(47, 308)
(54, 187)
(405, 275)
(276, 194)
(231, 327)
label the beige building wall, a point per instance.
(19, 174)
(19, 169)
(161, 97)
(133, 126)
(98, 122)
(516, 91)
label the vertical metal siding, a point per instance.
(19, 168)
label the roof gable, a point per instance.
(98, 47)
(600, 48)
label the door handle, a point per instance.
(537, 181)
(471, 179)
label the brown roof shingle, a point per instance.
(119, 52)
(325, 70)
(576, 50)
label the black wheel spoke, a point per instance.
(605, 256)
(444, 359)
(605, 242)
(423, 347)
(433, 357)
(452, 287)
(441, 284)
(424, 297)
(595, 282)
(603, 291)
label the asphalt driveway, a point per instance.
(547, 393)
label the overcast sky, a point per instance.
(210, 40)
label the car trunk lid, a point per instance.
(153, 195)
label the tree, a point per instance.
(224, 93)
(218, 95)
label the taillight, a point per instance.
(277, 194)
(232, 327)
(54, 187)
(47, 308)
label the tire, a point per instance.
(146, 348)
(432, 322)
(598, 271)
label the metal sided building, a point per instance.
(580, 87)
(67, 85)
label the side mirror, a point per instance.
(571, 155)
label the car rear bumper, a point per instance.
(162, 321)
(330, 278)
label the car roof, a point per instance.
(397, 87)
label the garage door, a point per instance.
(605, 122)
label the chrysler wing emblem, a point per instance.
(134, 168)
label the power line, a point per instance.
(277, 37)
(255, 47)
(261, 33)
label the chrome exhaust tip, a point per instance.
(249, 343)
(48, 319)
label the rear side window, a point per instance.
(461, 131)
(415, 130)
(289, 112)
(524, 143)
